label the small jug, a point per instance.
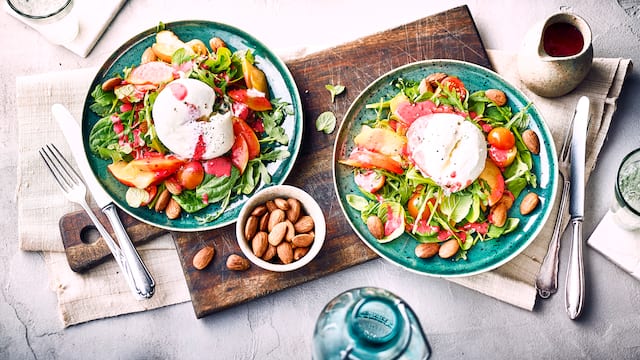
(368, 323)
(556, 55)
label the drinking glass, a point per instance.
(626, 205)
(52, 18)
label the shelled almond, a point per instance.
(280, 231)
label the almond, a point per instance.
(173, 209)
(264, 222)
(276, 235)
(304, 224)
(236, 262)
(281, 203)
(148, 56)
(498, 215)
(529, 203)
(275, 217)
(163, 200)
(299, 252)
(531, 141)
(435, 78)
(259, 211)
(111, 83)
(203, 257)
(285, 252)
(302, 240)
(375, 226)
(215, 43)
(270, 253)
(497, 96)
(448, 248)
(173, 186)
(426, 250)
(291, 231)
(271, 206)
(251, 227)
(293, 214)
(260, 243)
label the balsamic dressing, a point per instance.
(562, 39)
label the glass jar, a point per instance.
(369, 323)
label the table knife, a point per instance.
(574, 296)
(139, 276)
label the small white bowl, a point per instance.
(310, 207)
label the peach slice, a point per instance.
(492, 175)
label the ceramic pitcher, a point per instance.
(556, 55)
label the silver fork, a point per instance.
(547, 279)
(75, 191)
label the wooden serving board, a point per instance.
(448, 35)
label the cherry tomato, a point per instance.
(502, 138)
(454, 84)
(415, 201)
(190, 175)
(502, 158)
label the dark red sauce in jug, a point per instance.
(562, 39)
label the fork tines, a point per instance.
(62, 171)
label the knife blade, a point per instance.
(574, 296)
(139, 275)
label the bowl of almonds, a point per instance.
(281, 228)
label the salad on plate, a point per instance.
(442, 165)
(190, 125)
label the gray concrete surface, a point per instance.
(459, 322)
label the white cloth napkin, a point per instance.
(622, 247)
(93, 17)
(102, 292)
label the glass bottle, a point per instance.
(369, 323)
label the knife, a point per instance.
(138, 276)
(574, 296)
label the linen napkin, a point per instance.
(623, 251)
(102, 292)
(93, 18)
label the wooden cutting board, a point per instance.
(448, 35)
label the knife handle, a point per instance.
(574, 298)
(547, 279)
(142, 280)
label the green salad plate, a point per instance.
(485, 255)
(281, 85)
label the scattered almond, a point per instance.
(426, 250)
(375, 226)
(111, 84)
(529, 203)
(203, 257)
(173, 209)
(173, 186)
(531, 141)
(498, 214)
(163, 200)
(236, 262)
(215, 43)
(270, 253)
(448, 248)
(497, 96)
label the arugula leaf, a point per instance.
(104, 101)
(334, 90)
(326, 122)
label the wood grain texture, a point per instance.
(448, 35)
(83, 245)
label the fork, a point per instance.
(75, 191)
(547, 278)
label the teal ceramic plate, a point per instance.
(281, 85)
(483, 256)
